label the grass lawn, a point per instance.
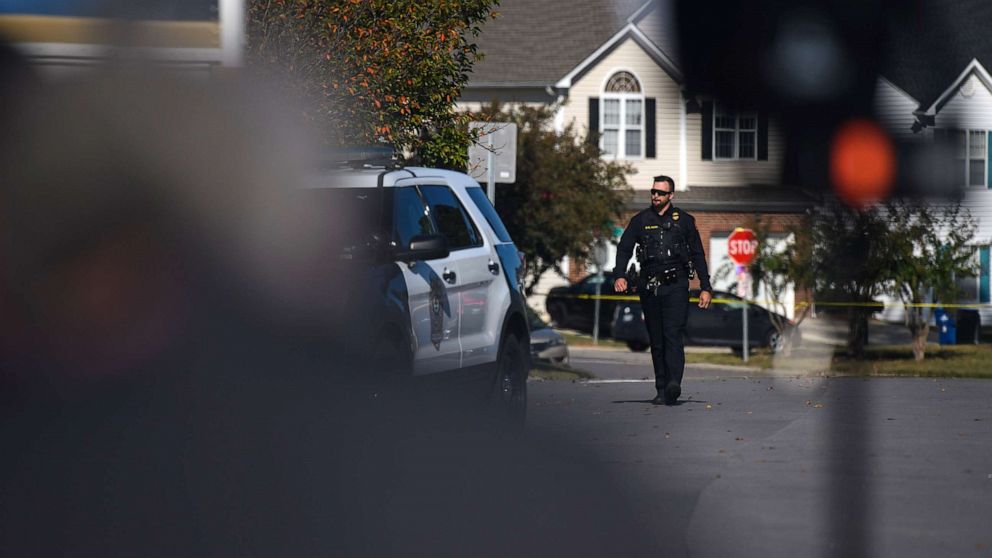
(576, 339)
(952, 361)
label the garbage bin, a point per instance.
(945, 327)
(968, 327)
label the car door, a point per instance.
(476, 263)
(487, 280)
(709, 326)
(432, 289)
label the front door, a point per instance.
(432, 289)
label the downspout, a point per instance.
(683, 150)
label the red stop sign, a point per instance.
(741, 246)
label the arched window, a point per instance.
(622, 117)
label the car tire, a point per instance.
(508, 398)
(775, 341)
(637, 346)
(558, 313)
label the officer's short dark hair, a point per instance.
(663, 178)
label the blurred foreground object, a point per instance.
(171, 380)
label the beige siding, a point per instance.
(654, 83)
(733, 173)
(894, 109)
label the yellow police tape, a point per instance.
(878, 305)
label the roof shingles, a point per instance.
(537, 42)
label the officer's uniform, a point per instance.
(668, 247)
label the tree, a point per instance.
(565, 197)
(375, 71)
(928, 247)
(850, 263)
(776, 267)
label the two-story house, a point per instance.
(936, 87)
(612, 68)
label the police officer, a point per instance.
(669, 251)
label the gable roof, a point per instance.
(932, 42)
(539, 42)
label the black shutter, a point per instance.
(594, 119)
(650, 130)
(762, 137)
(707, 130)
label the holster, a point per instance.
(665, 276)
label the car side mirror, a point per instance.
(425, 247)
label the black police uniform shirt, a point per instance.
(678, 231)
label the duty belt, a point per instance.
(660, 278)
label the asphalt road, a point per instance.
(754, 464)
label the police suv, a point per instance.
(435, 280)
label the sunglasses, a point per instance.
(662, 193)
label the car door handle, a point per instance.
(449, 276)
(493, 267)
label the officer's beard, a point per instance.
(659, 205)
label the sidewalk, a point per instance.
(828, 331)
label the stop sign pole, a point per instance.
(742, 245)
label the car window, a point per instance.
(450, 217)
(489, 212)
(355, 221)
(410, 217)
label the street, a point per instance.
(754, 464)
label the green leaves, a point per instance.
(375, 70)
(565, 193)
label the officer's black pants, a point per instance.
(665, 314)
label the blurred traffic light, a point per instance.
(814, 67)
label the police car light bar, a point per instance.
(365, 157)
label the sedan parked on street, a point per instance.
(574, 306)
(721, 325)
(546, 344)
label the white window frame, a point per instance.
(623, 127)
(737, 133)
(968, 159)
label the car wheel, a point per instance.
(637, 346)
(509, 393)
(775, 341)
(558, 313)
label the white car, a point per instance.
(436, 286)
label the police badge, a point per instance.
(675, 216)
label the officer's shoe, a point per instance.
(658, 400)
(672, 393)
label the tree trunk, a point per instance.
(919, 345)
(919, 329)
(857, 332)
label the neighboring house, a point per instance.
(936, 87)
(611, 67)
(62, 38)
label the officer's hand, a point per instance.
(704, 299)
(620, 285)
